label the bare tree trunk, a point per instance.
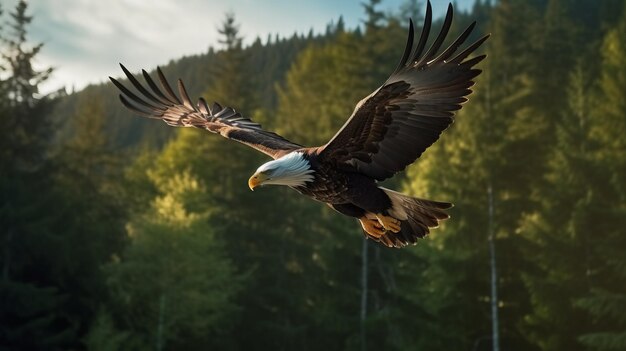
(364, 268)
(494, 274)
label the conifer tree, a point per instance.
(607, 299)
(29, 128)
(173, 282)
(475, 165)
(228, 84)
(35, 311)
(411, 9)
(374, 16)
(559, 245)
(564, 238)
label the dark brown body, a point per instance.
(347, 191)
(354, 194)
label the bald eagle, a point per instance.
(387, 131)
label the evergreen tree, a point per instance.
(33, 314)
(26, 128)
(327, 69)
(229, 86)
(51, 252)
(173, 283)
(24, 80)
(607, 299)
(230, 33)
(480, 165)
(411, 9)
(374, 15)
(559, 244)
(563, 255)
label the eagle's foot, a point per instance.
(372, 227)
(389, 223)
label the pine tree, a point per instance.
(326, 69)
(480, 166)
(228, 85)
(411, 9)
(374, 15)
(173, 282)
(559, 244)
(26, 130)
(88, 176)
(564, 253)
(230, 33)
(24, 80)
(607, 299)
(36, 312)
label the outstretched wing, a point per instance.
(392, 127)
(166, 105)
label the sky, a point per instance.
(84, 40)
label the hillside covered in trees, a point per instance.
(119, 233)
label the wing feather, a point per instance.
(419, 49)
(155, 89)
(168, 89)
(183, 93)
(432, 51)
(393, 126)
(162, 103)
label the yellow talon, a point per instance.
(389, 223)
(372, 227)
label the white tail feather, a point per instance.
(397, 204)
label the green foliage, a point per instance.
(122, 233)
(24, 81)
(489, 146)
(173, 282)
(558, 234)
(24, 135)
(230, 33)
(229, 86)
(325, 68)
(35, 314)
(59, 222)
(608, 265)
(103, 336)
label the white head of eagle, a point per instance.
(292, 170)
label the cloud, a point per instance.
(85, 39)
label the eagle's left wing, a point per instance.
(390, 129)
(180, 112)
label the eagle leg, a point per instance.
(372, 227)
(389, 223)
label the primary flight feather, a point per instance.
(388, 130)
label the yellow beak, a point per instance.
(256, 180)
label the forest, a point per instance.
(121, 233)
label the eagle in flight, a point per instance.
(388, 130)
